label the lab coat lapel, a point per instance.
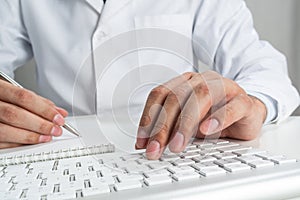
(96, 4)
(113, 6)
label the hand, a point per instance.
(197, 105)
(26, 118)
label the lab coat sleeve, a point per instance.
(15, 47)
(232, 47)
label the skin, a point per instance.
(27, 118)
(197, 105)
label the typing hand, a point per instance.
(26, 118)
(197, 105)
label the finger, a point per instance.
(195, 109)
(31, 102)
(167, 118)
(9, 134)
(62, 111)
(152, 108)
(9, 145)
(20, 118)
(227, 115)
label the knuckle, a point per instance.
(45, 128)
(161, 128)
(23, 96)
(31, 138)
(203, 89)
(9, 114)
(48, 113)
(158, 91)
(173, 97)
(145, 120)
(189, 74)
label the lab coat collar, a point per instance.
(96, 4)
(111, 6)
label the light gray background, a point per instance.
(277, 21)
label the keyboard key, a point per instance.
(158, 180)
(203, 159)
(106, 180)
(225, 155)
(183, 162)
(132, 157)
(261, 163)
(181, 169)
(130, 184)
(170, 157)
(202, 143)
(123, 164)
(209, 152)
(248, 159)
(206, 165)
(145, 161)
(266, 155)
(127, 177)
(186, 176)
(219, 141)
(138, 168)
(222, 145)
(237, 167)
(233, 148)
(161, 172)
(283, 160)
(159, 165)
(99, 189)
(189, 147)
(248, 152)
(212, 171)
(190, 155)
(193, 150)
(227, 162)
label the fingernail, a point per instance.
(153, 150)
(45, 138)
(141, 143)
(142, 139)
(56, 131)
(176, 143)
(211, 126)
(59, 119)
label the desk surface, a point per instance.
(283, 138)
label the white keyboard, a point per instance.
(86, 174)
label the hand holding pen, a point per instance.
(27, 118)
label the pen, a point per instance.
(13, 82)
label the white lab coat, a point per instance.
(127, 47)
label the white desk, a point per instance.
(279, 139)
